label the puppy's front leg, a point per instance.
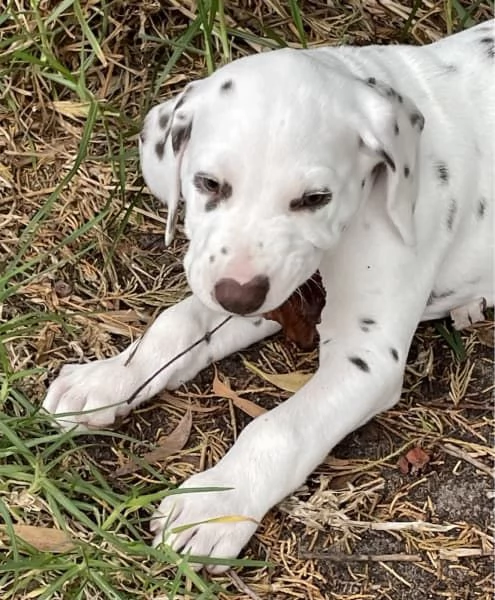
(93, 395)
(373, 307)
(277, 451)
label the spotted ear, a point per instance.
(390, 128)
(162, 142)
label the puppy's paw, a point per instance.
(90, 396)
(214, 524)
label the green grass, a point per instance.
(40, 467)
(46, 479)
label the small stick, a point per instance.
(394, 525)
(205, 338)
(456, 553)
(458, 453)
(344, 558)
(241, 586)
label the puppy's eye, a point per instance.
(206, 183)
(311, 200)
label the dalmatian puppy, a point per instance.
(373, 165)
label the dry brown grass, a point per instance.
(73, 292)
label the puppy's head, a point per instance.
(273, 155)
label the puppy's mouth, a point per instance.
(301, 312)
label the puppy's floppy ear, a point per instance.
(162, 142)
(390, 127)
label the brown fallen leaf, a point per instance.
(301, 312)
(486, 336)
(224, 390)
(403, 465)
(289, 382)
(413, 461)
(45, 539)
(166, 446)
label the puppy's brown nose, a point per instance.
(242, 298)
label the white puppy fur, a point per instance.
(373, 165)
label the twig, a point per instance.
(205, 338)
(344, 558)
(456, 553)
(458, 453)
(421, 526)
(241, 586)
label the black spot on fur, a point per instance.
(481, 208)
(387, 158)
(180, 135)
(212, 258)
(164, 120)
(400, 99)
(366, 323)
(395, 354)
(207, 337)
(442, 172)
(396, 129)
(160, 148)
(451, 214)
(225, 191)
(488, 44)
(226, 85)
(258, 322)
(327, 341)
(417, 120)
(450, 69)
(371, 81)
(360, 363)
(407, 171)
(363, 183)
(223, 250)
(212, 204)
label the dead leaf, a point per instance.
(223, 519)
(403, 465)
(301, 312)
(485, 336)
(45, 539)
(74, 110)
(224, 390)
(166, 446)
(289, 382)
(414, 460)
(342, 482)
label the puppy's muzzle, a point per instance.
(242, 299)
